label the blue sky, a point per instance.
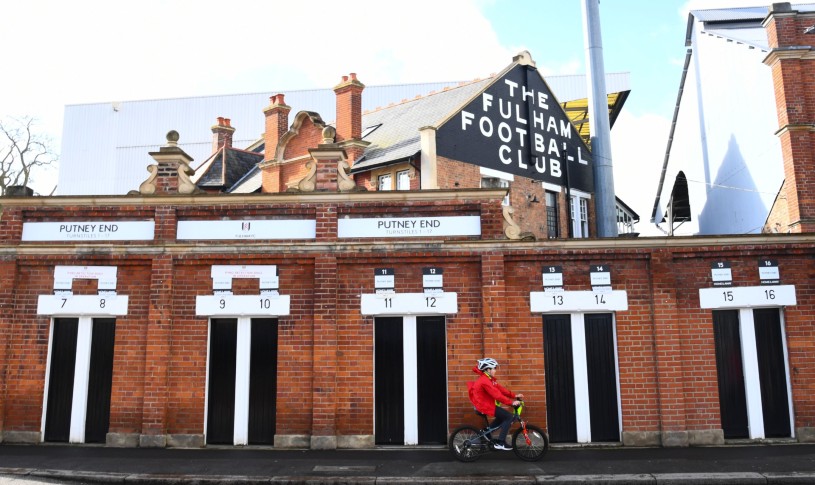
(90, 51)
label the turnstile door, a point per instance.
(559, 368)
(61, 379)
(732, 396)
(432, 379)
(100, 380)
(389, 381)
(221, 399)
(602, 376)
(263, 381)
(772, 373)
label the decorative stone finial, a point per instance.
(329, 134)
(172, 138)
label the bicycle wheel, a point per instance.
(466, 444)
(535, 448)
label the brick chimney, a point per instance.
(172, 171)
(791, 36)
(277, 124)
(222, 134)
(349, 108)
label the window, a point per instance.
(580, 216)
(496, 183)
(385, 182)
(552, 212)
(403, 180)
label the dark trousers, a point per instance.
(504, 419)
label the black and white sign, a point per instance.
(433, 280)
(247, 229)
(517, 126)
(242, 305)
(768, 272)
(721, 274)
(82, 305)
(89, 231)
(409, 227)
(600, 276)
(384, 280)
(552, 278)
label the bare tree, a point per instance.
(23, 150)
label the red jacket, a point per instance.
(485, 391)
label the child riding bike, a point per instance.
(487, 396)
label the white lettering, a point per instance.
(504, 132)
(518, 114)
(486, 101)
(542, 98)
(466, 119)
(485, 131)
(521, 134)
(537, 121)
(552, 125)
(540, 146)
(521, 159)
(580, 157)
(508, 114)
(555, 167)
(504, 159)
(540, 164)
(564, 129)
(527, 94)
(553, 148)
(512, 85)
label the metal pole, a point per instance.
(604, 203)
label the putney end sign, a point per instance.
(517, 126)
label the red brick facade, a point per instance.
(325, 389)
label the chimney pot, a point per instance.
(345, 79)
(280, 99)
(354, 76)
(220, 121)
(227, 121)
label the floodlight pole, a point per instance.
(605, 204)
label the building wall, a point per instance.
(664, 341)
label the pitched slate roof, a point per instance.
(394, 131)
(226, 167)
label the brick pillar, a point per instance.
(173, 169)
(277, 124)
(493, 303)
(222, 133)
(792, 61)
(327, 158)
(8, 275)
(159, 326)
(349, 116)
(324, 412)
(667, 344)
(11, 224)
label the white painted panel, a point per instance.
(242, 361)
(752, 384)
(411, 377)
(577, 301)
(581, 379)
(409, 227)
(64, 276)
(409, 303)
(240, 229)
(242, 305)
(88, 231)
(79, 402)
(75, 305)
(747, 296)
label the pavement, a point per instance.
(732, 464)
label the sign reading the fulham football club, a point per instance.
(517, 126)
(247, 229)
(89, 231)
(409, 226)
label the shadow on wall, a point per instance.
(733, 204)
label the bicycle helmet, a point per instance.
(487, 363)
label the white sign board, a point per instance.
(89, 231)
(577, 301)
(747, 296)
(242, 305)
(409, 304)
(222, 275)
(409, 227)
(79, 305)
(64, 276)
(247, 229)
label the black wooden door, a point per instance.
(772, 373)
(732, 396)
(61, 379)
(559, 367)
(431, 360)
(263, 381)
(100, 380)
(223, 341)
(602, 375)
(389, 381)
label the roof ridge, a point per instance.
(418, 97)
(246, 151)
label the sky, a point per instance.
(59, 53)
